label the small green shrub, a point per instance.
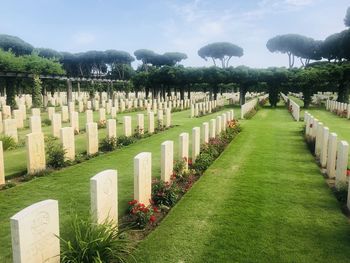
(55, 154)
(88, 242)
(125, 140)
(8, 185)
(175, 110)
(203, 161)
(8, 142)
(138, 133)
(160, 126)
(164, 193)
(108, 144)
(341, 193)
(179, 168)
(46, 122)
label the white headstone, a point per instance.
(331, 154)
(114, 112)
(324, 147)
(212, 128)
(67, 140)
(184, 147)
(167, 160)
(34, 232)
(51, 112)
(342, 164)
(195, 143)
(218, 125)
(56, 124)
(104, 197)
(65, 113)
(74, 121)
(127, 126)
(17, 114)
(140, 123)
(143, 177)
(91, 138)
(168, 118)
(10, 129)
(111, 128)
(319, 135)
(35, 123)
(2, 167)
(160, 118)
(102, 115)
(89, 116)
(205, 132)
(36, 160)
(36, 112)
(151, 122)
(6, 112)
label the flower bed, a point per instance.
(166, 194)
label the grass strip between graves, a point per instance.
(263, 200)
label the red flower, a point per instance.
(152, 219)
(155, 209)
(348, 172)
(189, 161)
(133, 202)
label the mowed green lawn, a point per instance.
(341, 126)
(263, 200)
(15, 160)
(71, 186)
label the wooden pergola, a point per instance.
(69, 80)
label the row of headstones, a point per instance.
(9, 126)
(295, 108)
(248, 106)
(60, 98)
(123, 95)
(204, 107)
(322, 97)
(333, 155)
(338, 108)
(68, 113)
(110, 108)
(35, 146)
(35, 229)
(234, 98)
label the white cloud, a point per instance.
(198, 23)
(299, 2)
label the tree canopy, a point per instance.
(16, 45)
(295, 45)
(222, 51)
(29, 64)
(149, 57)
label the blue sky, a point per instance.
(170, 25)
